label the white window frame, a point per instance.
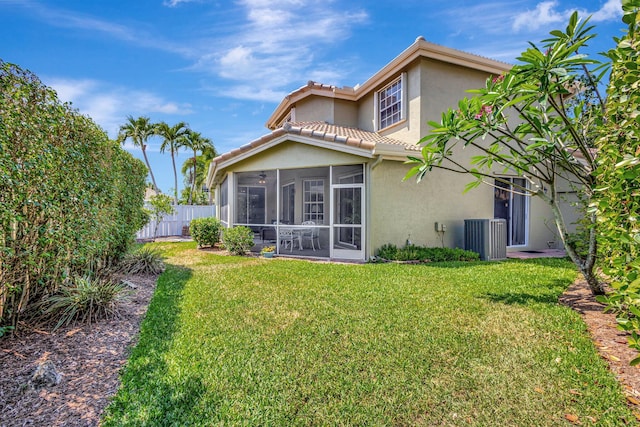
(402, 100)
(310, 215)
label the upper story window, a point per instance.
(390, 103)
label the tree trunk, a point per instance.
(585, 266)
(146, 160)
(175, 178)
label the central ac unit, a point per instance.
(488, 237)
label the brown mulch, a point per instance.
(90, 357)
(611, 342)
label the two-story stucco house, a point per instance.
(328, 180)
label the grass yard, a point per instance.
(246, 341)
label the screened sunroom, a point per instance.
(306, 212)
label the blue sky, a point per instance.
(223, 66)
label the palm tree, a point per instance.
(173, 137)
(196, 142)
(138, 130)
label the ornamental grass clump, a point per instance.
(84, 300)
(145, 260)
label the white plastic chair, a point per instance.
(286, 237)
(311, 234)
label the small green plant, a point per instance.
(4, 330)
(238, 240)
(205, 231)
(145, 260)
(161, 205)
(84, 299)
(421, 253)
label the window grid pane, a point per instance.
(313, 200)
(390, 104)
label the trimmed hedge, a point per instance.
(71, 200)
(420, 253)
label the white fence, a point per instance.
(171, 225)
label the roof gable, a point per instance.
(339, 138)
(420, 48)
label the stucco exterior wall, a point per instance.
(289, 155)
(443, 85)
(400, 209)
(315, 108)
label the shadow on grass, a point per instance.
(549, 294)
(147, 395)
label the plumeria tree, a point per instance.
(533, 121)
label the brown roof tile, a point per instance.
(353, 137)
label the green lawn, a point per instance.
(246, 341)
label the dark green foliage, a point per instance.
(70, 199)
(205, 231)
(617, 201)
(421, 253)
(84, 299)
(238, 240)
(145, 260)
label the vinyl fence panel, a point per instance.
(171, 225)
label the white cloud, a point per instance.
(610, 11)
(64, 18)
(277, 45)
(542, 15)
(547, 12)
(174, 3)
(109, 105)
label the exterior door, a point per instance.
(347, 221)
(513, 207)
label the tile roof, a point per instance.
(348, 135)
(353, 137)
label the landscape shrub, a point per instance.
(420, 253)
(205, 231)
(71, 200)
(238, 240)
(84, 299)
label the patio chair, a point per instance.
(286, 237)
(311, 234)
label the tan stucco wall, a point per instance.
(443, 85)
(315, 108)
(288, 155)
(402, 208)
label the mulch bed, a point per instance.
(90, 357)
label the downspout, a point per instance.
(376, 162)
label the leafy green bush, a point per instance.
(618, 176)
(238, 240)
(142, 261)
(84, 299)
(205, 231)
(421, 253)
(71, 200)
